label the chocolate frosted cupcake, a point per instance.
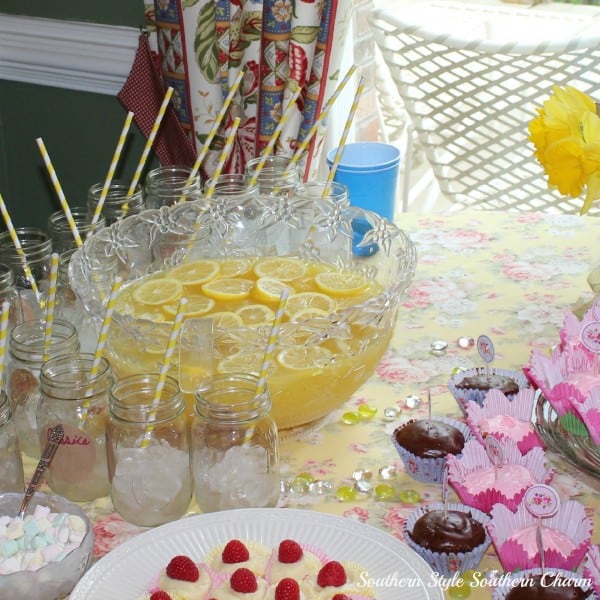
(423, 445)
(474, 384)
(450, 539)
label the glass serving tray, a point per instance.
(577, 449)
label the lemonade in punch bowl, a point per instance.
(344, 270)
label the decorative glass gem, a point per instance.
(409, 496)
(465, 342)
(384, 491)
(363, 487)
(366, 411)
(362, 474)
(305, 477)
(350, 418)
(387, 472)
(438, 347)
(345, 493)
(284, 486)
(319, 487)
(299, 487)
(391, 413)
(460, 590)
(458, 370)
(412, 401)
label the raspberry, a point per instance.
(183, 568)
(235, 552)
(287, 589)
(243, 581)
(331, 574)
(160, 596)
(341, 597)
(289, 552)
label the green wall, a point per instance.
(80, 129)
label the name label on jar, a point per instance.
(75, 457)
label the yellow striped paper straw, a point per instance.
(108, 313)
(324, 113)
(153, 132)
(164, 369)
(213, 131)
(345, 132)
(112, 167)
(17, 244)
(223, 158)
(3, 336)
(59, 191)
(50, 303)
(273, 139)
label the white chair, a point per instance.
(470, 76)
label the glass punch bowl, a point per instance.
(318, 361)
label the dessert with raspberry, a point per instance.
(237, 553)
(291, 559)
(242, 584)
(182, 579)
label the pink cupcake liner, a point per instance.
(448, 563)
(570, 520)
(428, 470)
(511, 580)
(474, 458)
(589, 412)
(591, 567)
(463, 397)
(496, 403)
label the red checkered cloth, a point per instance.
(142, 94)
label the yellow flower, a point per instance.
(566, 136)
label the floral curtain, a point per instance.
(204, 44)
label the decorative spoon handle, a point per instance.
(54, 439)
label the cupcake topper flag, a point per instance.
(495, 452)
(445, 491)
(485, 347)
(542, 502)
(590, 337)
(428, 409)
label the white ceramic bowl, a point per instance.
(56, 579)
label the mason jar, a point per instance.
(235, 445)
(31, 269)
(24, 362)
(11, 462)
(169, 185)
(118, 203)
(62, 236)
(8, 293)
(275, 177)
(77, 397)
(148, 450)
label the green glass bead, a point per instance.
(461, 590)
(345, 493)
(384, 491)
(366, 411)
(307, 477)
(351, 418)
(409, 496)
(458, 370)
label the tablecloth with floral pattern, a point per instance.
(510, 276)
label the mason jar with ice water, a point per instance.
(148, 450)
(235, 445)
(76, 395)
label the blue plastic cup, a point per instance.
(370, 172)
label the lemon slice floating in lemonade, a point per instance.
(159, 291)
(228, 289)
(284, 268)
(243, 362)
(197, 306)
(303, 300)
(196, 272)
(235, 266)
(341, 283)
(254, 315)
(299, 358)
(268, 289)
(226, 319)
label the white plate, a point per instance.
(126, 572)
